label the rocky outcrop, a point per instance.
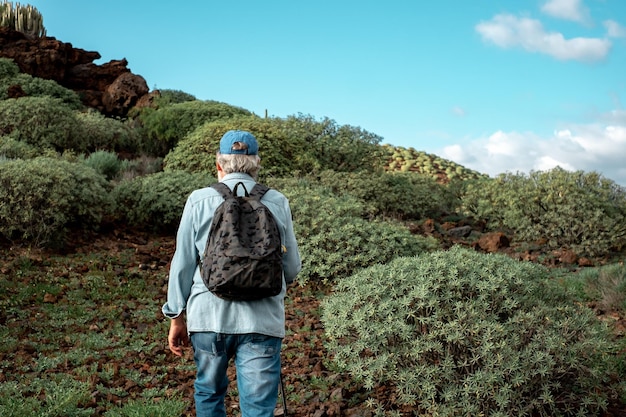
(110, 87)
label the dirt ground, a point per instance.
(312, 387)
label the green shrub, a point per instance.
(8, 69)
(287, 146)
(605, 286)
(402, 195)
(161, 99)
(43, 122)
(279, 152)
(345, 245)
(105, 163)
(98, 132)
(168, 96)
(155, 202)
(334, 240)
(172, 122)
(140, 166)
(310, 197)
(44, 197)
(410, 160)
(17, 149)
(39, 87)
(48, 123)
(458, 333)
(337, 147)
(580, 211)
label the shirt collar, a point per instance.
(237, 176)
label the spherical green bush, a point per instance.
(97, 132)
(287, 146)
(155, 202)
(105, 163)
(459, 333)
(43, 198)
(172, 122)
(43, 122)
(279, 151)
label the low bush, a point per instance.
(169, 96)
(604, 286)
(17, 149)
(580, 211)
(170, 123)
(105, 163)
(335, 240)
(277, 149)
(45, 197)
(155, 202)
(459, 333)
(328, 145)
(407, 196)
(98, 132)
(140, 166)
(33, 86)
(295, 145)
(8, 69)
(411, 160)
(39, 87)
(43, 122)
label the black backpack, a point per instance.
(243, 256)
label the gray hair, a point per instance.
(247, 164)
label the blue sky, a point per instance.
(494, 85)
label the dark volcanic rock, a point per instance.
(110, 87)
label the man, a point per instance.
(249, 331)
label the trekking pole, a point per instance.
(282, 394)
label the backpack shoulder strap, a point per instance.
(223, 189)
(258, 191)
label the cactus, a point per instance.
(25, 19)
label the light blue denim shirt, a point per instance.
(186, 290)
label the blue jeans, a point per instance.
(257, 360)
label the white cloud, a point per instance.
(508, 31)
(614, 29)
(567, 9)
(546, 163)
(504, 144)
(593, 147)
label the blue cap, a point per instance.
(232, 136)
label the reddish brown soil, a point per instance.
(313, 388)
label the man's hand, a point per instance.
(178, 337)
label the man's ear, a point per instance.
(220, 171)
